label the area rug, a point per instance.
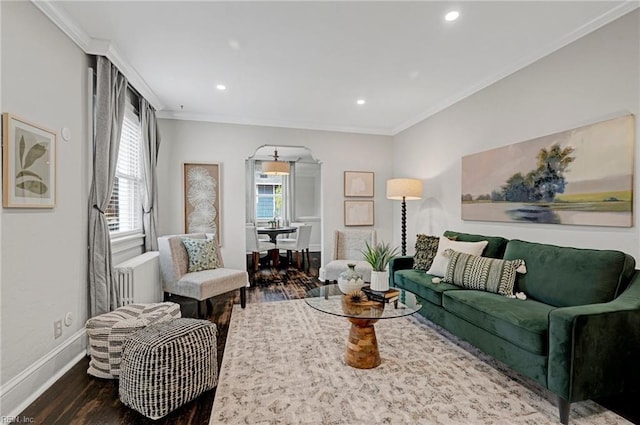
(283, 364)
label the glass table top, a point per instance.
(329, 299)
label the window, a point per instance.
(124, 214)
(268, 197)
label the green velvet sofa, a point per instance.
(578, 331)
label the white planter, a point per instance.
(380, 280)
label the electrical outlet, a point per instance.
(57, 329)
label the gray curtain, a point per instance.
(111, 88)
(150, 146)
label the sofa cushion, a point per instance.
(439, 266)
(482, 273)
(495, 247)
(524, 323)
(563, 276)
(420, 283)
(426, 248)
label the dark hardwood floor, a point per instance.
(78, 398)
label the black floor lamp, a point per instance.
(404, 190)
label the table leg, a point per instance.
(362, 346)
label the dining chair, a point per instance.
(286, 238)
(298, 245)
(255, 246)
(260, 237)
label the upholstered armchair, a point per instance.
(199, 285)
(347, 249)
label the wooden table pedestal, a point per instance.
(362, 346)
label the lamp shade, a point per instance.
(408, 189)
(275, 168)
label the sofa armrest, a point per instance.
(593, 348)
(399, 263)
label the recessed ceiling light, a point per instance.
(452, 16)
(221, 87)
(361, 101)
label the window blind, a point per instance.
(124, 213)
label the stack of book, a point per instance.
(381, 296)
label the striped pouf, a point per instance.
(108, 331)
(167, 365)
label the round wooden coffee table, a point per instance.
(362, 346)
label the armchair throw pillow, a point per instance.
(482, 273)
(203, 254)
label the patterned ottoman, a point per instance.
(167, 365)
(108, 331)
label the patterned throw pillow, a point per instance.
(426, 248)
(203, 254)
(482, 273)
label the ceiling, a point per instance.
(304, 64)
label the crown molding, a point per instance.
(598, 22)
(92, 46)
(63, 20)
(179, 115)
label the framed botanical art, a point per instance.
(28, 164)
(358, 184)
(202, 198)
(358, 213)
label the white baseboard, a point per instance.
(28, 385)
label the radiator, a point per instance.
(139, 279)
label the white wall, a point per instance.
(44, 252)
(230, 145)
(590, 80)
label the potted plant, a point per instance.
(378, 256)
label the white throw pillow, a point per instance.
(439, 265)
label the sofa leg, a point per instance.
(564, 407)
(243, 297)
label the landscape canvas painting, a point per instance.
(582, 176)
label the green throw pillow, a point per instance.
(426, 248)
(203, 254)
(482, 273)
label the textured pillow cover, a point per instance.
(439, 266)
(426, 248)
(482, 273)
(203, 254)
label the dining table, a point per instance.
(273, 232)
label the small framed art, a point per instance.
(28, 164)
(358, 213)
(358, 184)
